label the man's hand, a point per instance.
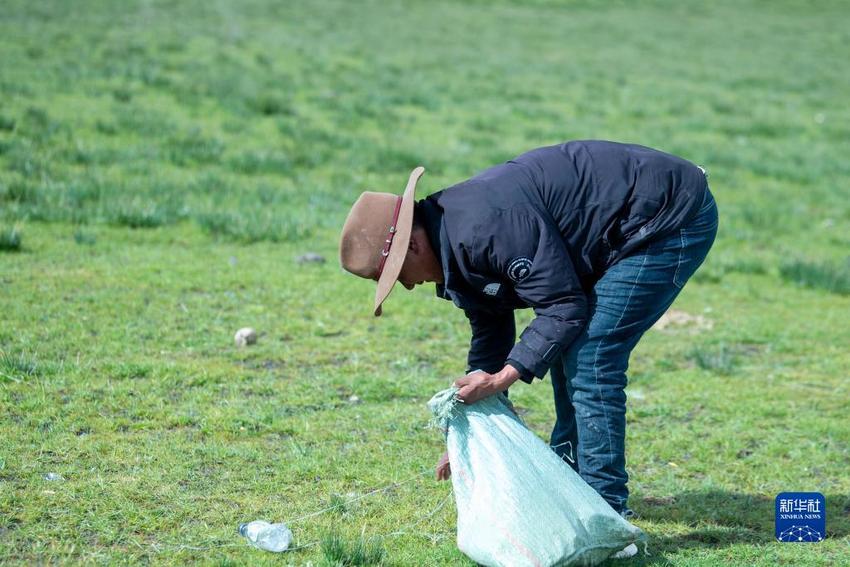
(444, 469)
(479, 385)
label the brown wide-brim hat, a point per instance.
(376, 235)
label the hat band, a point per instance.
(389, 241)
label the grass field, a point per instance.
(162, 165)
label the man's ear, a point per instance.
(415, 246)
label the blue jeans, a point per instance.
(589, 378)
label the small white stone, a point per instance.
(354, 399)
(52, 476)
(245, 336)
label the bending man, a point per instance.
(598, 238)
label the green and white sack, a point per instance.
(517, 502)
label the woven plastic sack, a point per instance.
(517, 502)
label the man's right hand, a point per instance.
(444, 469)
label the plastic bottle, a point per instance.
(263, 535)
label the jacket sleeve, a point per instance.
(527, 251)
(493, 336)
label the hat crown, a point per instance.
(365, 233)
(367, 248)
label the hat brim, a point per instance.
(401, 240)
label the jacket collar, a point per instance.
(432, 219)
(454, 286)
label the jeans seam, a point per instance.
(701, 230)
(705, 207)
(681, 258)
(599, 344)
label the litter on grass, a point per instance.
(267, 536)
(517, 502)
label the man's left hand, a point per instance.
(479, 385)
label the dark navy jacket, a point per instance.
(540, 229)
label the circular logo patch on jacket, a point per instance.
(519, 268)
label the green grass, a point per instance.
(168, 163)
(721, 359)
(10, 239)
(826, 276)
(341, 553)
(84, 237)
(17, 367)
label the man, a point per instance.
(597, 237)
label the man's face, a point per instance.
(410, 275)
(419, 259)
(410, 285)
